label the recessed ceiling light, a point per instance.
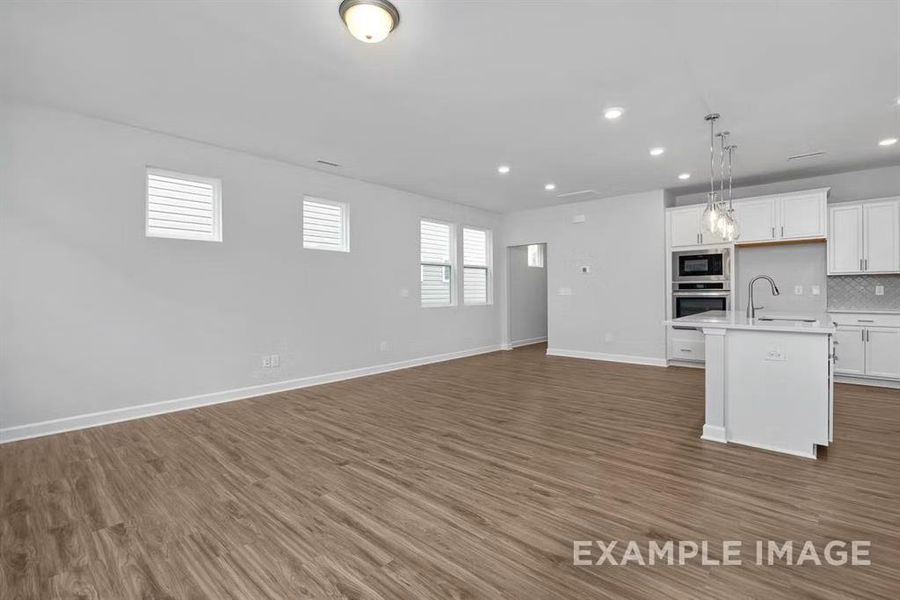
(684, 176)
(369, 21)
(550, 187)
(657, 151)
(887, 142)
(613, 113)
(503, 169)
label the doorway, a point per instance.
(527, 294)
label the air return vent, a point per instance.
(578, 193)
(807, 155)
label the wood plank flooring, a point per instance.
(466, 479)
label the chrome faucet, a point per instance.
(751, 310)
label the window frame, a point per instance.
(451, 265)
(214, 182)
(542, 253)
(488, 267)
(345, 224)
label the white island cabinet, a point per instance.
(768, 380)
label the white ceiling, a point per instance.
(461, 87)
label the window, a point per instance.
(436, 263)
(325, 225)
(476, 266)
(183, 206)
(536, 256)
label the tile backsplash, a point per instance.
(857, 292)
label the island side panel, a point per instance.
(714, 426)
(777, 390)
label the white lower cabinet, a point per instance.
(867, 345)
(686, 345)
(850, 350)
(883, 352)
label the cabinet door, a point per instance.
(685, 226)
(883, 352)
(850, 350)
(802, 216)
(881, 236)
(756, 219)
(845, 243)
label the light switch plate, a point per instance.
(879, 290)
(816, 290)
(798, 290)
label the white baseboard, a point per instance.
(527, 342)
(128, 413)
(885, 383)
(621, 358)
(713, 433)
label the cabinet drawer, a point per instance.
(687, 350)
(865, 319)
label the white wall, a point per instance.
(95, 316)
(527, 297)
(789, 266)
(616, 311)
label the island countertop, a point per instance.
(732, 319)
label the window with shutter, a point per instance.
(536, 256)
(476, 266)
(183, 206)
(436, 263)
(325, 225)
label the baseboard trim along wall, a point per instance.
(129, 413)
(526, 342)
(620, 358)
(850, 379)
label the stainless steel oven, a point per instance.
(711, 264)
(698, 297)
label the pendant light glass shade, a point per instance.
(718, 216)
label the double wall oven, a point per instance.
(701, 281)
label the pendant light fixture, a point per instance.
(718, 216)
(369, 21)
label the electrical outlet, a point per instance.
(565, 291)
(776, 354)
(585, 269)
(267, 361)
(579, 219)
(879, 290)
(384, 346)
(276, 361)
(798, 290)
(816, 290)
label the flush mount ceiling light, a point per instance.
(503, 169)
(887, 142)
(684, 176)
(613, 113)
(550, 187)
(657, 151)
(369, 21)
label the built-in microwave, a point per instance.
(712, 264)
(694, 298)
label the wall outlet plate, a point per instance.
(879, 290)
(565, 291)
(798, 290)
(816, 290)
(579, 219)
(775, 354)
(585, 269)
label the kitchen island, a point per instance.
(768, 379)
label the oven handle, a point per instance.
(706, 293)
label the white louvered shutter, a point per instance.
(325, 225)
(436, 263)
(183, 206)
(475, 266)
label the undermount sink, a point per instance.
(787, 319)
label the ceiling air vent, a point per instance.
(806, 155)
(578, 193)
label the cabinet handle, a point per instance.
(860, 265)
(862, 335)
(773, 232)
(865, 320)
(701, 238)
(782, 231)
(866, 263)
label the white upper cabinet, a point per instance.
(802, 215)
(865, 237)
(881, 237)
(845, 244)
(684, 226)
(756, 219)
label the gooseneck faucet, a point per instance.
(751, 310)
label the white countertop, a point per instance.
(732, 319)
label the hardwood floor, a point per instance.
(466, 479)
